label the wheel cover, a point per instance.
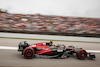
(82, 54)
(28, 53)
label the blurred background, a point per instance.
(63, 17)
(38, 21)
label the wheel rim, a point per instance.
(82, 54)
(28, 53)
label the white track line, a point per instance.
(7, 47)
(95, 51)
(15, 48)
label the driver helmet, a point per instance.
(51, 42)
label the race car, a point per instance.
(47, 49)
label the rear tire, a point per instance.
(81, 54)
(28, 53)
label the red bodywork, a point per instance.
(59, 50)
(44, 49)
(41, 49)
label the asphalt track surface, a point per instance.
(13, 58)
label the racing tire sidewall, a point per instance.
(30, 50)
(80, 53)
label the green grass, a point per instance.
(47, 40)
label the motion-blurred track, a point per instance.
(12, 58)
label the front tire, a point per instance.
(28, 53)
(81, 54)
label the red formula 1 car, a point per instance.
(46, 49)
